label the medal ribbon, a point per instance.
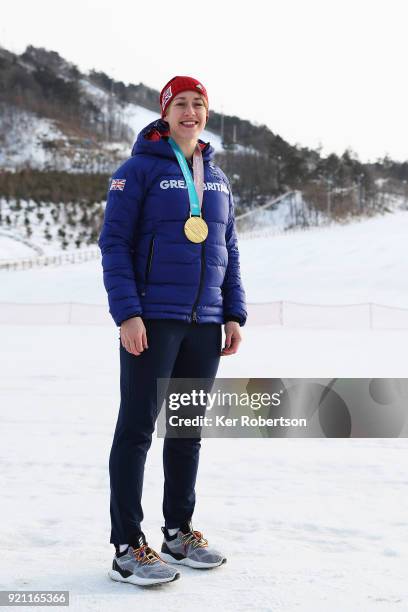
(196, 187)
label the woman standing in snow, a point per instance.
(172, 274)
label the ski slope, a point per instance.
(363, 261)
(312, 525)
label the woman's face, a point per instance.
(186, 115)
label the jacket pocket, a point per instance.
(148, 264)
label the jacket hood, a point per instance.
(153, 141)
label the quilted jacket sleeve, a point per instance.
(234, 302)
(115, 241)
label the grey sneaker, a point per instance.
(188, 547)
(141, 565)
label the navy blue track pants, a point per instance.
(177, 349)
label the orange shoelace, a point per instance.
(195, 538)
(145, 554)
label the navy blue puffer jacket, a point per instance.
(150, 268)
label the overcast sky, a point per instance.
(315, 71)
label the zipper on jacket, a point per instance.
(194, 312)
(148, 264)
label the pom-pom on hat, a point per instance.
(175, 86)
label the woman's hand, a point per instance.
(133, 335)
(232, 338)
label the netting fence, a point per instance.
(279, 314)
(73, 257)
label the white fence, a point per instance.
(51, 260)
(280, 314)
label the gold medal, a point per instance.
(196, 229)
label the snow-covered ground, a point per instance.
(363, 261)
(13, 249)
(308, 525)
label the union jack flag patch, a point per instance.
(117, 184)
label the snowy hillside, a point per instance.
(39, 143)
(28, 141)
(52, 228)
